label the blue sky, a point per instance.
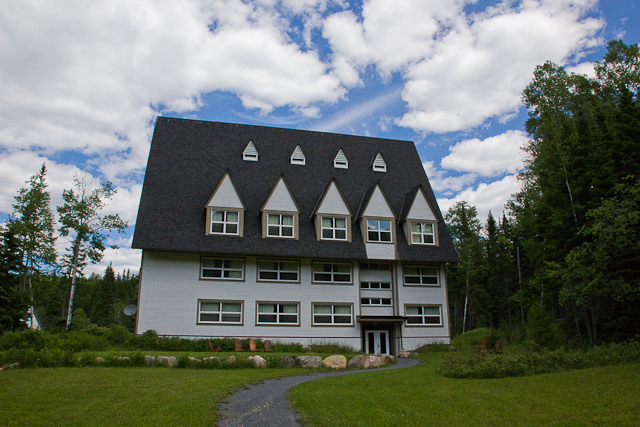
(82, 82)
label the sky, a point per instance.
(81, 83)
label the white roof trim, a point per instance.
(340, 161)
(298, 158)
(379, 165)
(250, 153)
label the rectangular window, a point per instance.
(384, 266)
(422, 233)
(278, 313)
(375, 285)
(332, 314)
(220, 312)
(331, 272)
(423, 315)
(217, 268)
(375, 301)
(415, 275)
(225, 222)
(278, 271)
(333, 228)
(280, 225)
(379, 230)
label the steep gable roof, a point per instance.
(416, 206)
(332, 201)
(225, 195)
(281, 198)
(188, 158)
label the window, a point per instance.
(333, 228)
(278, 271)
(332, 314)
(422, 233)
(375, 266)
(220, 312)
(375, 285)
(331, 272)
(375, 301)
(278, 313)
(214, 268)
(414, 275)
(423, 315)
(378, 230)
(225, 222)
(280, 225)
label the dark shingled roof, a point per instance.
(188, 158)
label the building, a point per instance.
(289, 235)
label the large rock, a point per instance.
(149, 360)
(335, 362)
(287, 361)
(364, 362)
(122, 360)
(213, 360)
(231, 360)
(100, 361)
(406, 354)
(306, 348)
(387, 360)
(258, 361)
(167, 361)
(309, 361)
(194, 362)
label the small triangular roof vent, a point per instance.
(250, 153)
(340, 161)
(298, 158)
(379, 164)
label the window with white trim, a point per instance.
(331, 272)
(220, 312)
(278, 313)
(278, 271)
(384, 266)
(225, 222)
(420, 275)
(423, 315)
(379, 230)
(333, 228)
(219, 268)
(422, 233)
(375, 301)
(280, 225)
(332, 314)
(375, 285)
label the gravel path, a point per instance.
(265, 404)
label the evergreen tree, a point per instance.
(13, 306)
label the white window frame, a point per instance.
(423, 278)
(278, 314)
(375, 266)
(422, 234)
(220, 312)
(279, 271)
(332, 273)
(333, 228)
(332, 315)
(225, 222)
(381, 286)
(225, 269)
(422, 315)
(378, 230)
(280, 226)
(376, 302)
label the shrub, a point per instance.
(541, 330)
(473, 337)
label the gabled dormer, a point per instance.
(225, 210)
(418, 219)
(377, 220)
(378, 164)
(280, 213)
(340, 160)
(332, 215)
(250, 154)
(298, 157)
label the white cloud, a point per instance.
(489, 157)
(442, 183)
(584, 68)
(123, 258)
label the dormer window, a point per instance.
(225, 210)
(280, 213)
(379, 230)
(332, 215)
(280, 225)
(340, 161)
(250, 153)
(422, 233)
(379, 165)
(298, 158)
(420, 224)
(333, 228)
(225, 222)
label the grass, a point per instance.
(419, 396)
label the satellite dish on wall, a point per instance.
(130, 310)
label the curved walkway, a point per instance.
(265, 404)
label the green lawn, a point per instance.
(420, 397)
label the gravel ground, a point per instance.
(265, 404)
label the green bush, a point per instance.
(473, 337)
(541, 330)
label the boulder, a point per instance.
(387, 360)
(11, 366)
(149, 360)
(364, 362)
(123, 360)
(309, 361)
(306, 348)
(258, 361)
(287, 361)
(335, 362)
(231, 360)
(100, 361)
(167, 361)
(211, 360)
(406, 354)
(194, 362)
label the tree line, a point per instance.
(571, 241)
(35, 281)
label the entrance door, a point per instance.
(377, 342)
